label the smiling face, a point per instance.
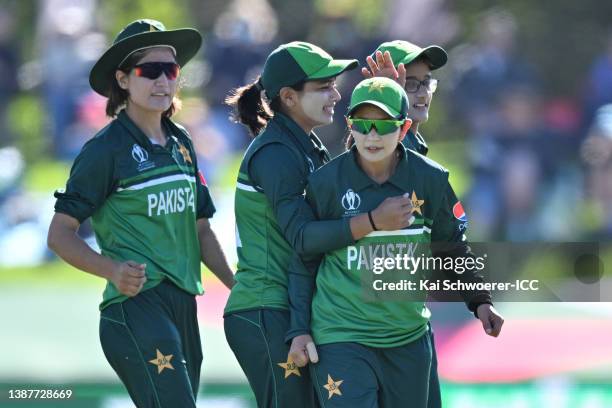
(420, 100)
(373, 147)
(313, 106)
(150, 95)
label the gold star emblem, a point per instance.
(185, 153)
(416, 203)
(290, 368)
(376, 86)
(333, 387)
(162, 361)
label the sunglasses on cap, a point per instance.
(152, 70)
(382, 126)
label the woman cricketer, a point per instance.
(149, 205)
(378, 353)
(295, 94)
(412, 67)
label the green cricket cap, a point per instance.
(405, 52)
(139, 35)
(299, 61)
(383, 93)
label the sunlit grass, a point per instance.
(55, 272)
(60, 273)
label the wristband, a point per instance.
(372, 221)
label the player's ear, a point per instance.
(288, 96)
(404, 129)
(121, 78)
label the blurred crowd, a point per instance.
(538, 160)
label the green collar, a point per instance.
(417, 141)
(416, 135)
(360, 180)
(308, 143)
(139, 135)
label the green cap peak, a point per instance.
(404, 52)
(299, 61)
(383, 93)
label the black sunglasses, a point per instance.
(152, 70)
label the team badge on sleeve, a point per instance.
(201, 177)
(458, 212)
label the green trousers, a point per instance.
(152, 342)
(257, 339)
(357, 376)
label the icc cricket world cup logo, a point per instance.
(351, 200)
(139, 154)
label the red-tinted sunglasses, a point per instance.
(153, 70)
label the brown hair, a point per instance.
(118, 97)
(250, 109)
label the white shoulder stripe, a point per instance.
(417, 231)
(162, 180)
(245, 187)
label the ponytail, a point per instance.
(249, 107)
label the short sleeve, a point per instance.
(206, 207)
(91, 181)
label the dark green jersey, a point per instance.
(301, 283)
(143, 200)
(415, 142)
(342, 189)
(272, 217)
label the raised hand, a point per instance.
(383, 66)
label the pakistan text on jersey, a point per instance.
(171, 201)
(363, 256)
